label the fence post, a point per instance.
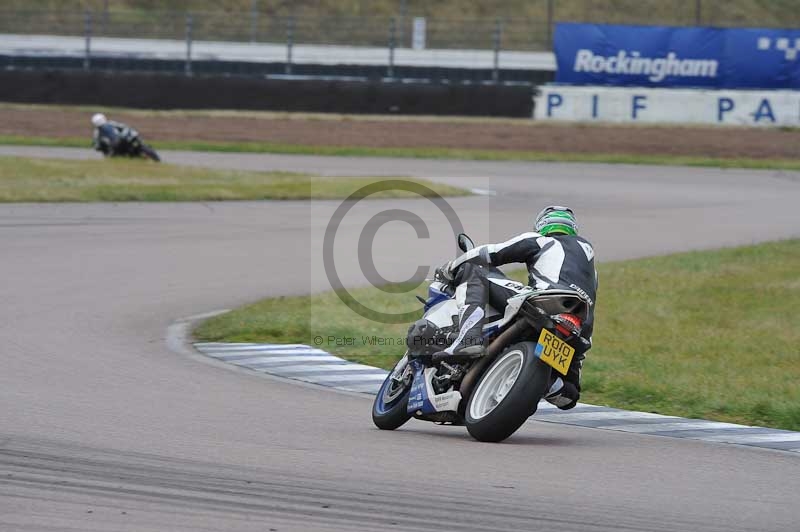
(402, 33)
(497, 37)
(189, 24)
(392, 37)
(551, 8)
(105, 18)
(698, 12)
(253, 21)
(289, 43)
(88, 33)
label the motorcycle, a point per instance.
(537, 334)
(125, 143)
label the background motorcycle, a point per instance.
(125, 143)
(538, 333)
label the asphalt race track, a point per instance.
(103, 427)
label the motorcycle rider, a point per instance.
(556, 257)
(108, 135)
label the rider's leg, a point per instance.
(474, 290)
(471, 296)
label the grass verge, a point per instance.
(711, 335)
(303, 116)
(53, 180)
(432, 153)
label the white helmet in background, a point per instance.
(98, 119)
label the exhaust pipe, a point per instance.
(505, 339)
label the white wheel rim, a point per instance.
(496, 384)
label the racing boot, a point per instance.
(469, 342)
(564, 393)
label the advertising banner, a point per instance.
(668, 106)
(661, 56)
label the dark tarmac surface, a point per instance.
(103, 427)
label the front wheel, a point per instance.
(150, 153)
(507, 394)
(390, 409)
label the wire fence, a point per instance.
(530, 30)
(369, 44)
(221, 26)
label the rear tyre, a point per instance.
(507, 394)
(150, 153)
(390, 409)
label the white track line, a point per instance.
(362, 388)
(293, 351)
(614, 414)
(324, 367)
(752, 438)
(483, 192)
(377, 377)
(275, 360)
(647, 428)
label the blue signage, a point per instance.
(660, 56)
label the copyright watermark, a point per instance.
(377, 341)
(365, 241)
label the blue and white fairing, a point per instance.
(441, 309)
(437, 292)
(422, 399)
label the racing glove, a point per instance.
(444, 273)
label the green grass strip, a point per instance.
(55, 180)
(432, 153)
(711, 335)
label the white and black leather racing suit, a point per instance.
(110, 137)
(557, 261)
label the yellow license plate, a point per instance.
(554, 351)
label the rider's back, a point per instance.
(564, 261)
(110, 135)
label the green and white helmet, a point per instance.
(555, 219)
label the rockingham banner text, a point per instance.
(660, 56)
(665, 106)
